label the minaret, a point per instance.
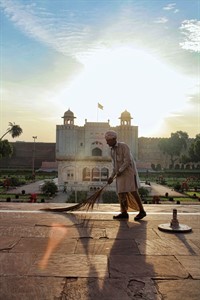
(125, 118)
(128, 133)
(69, 117)
(66, 136)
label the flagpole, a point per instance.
(99, 106)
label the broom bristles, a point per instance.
(87, 204)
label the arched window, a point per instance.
(86, 174)
(104, 174)
(68, 173)
(96, 152)
(95, 174)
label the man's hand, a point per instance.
(119, 173)
(110, 180)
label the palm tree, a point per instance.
(14, 130)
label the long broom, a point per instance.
(86, 204)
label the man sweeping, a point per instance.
(127, 180)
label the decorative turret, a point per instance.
(69, 117)
(125, 118)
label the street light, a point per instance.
(33, 163)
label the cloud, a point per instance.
(72, 34)
(194, 100)
(161, 20)
(64, 34)
(191, 31)
(171, 6)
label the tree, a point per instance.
(14, 130)
(174, 145)
(184, 159)
(194, 150)
(6, 150)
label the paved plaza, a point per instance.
(90, 256)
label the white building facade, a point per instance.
(83, 155)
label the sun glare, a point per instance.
(131, 79)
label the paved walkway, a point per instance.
(161, 190)
(90, 256)
(33, 187)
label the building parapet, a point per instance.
(83, 158)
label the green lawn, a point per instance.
(182, 200)
(192, 193)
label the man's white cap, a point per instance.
(110, 135)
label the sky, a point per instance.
(142, 56)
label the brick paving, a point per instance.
(90, 256)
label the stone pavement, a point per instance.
(90, 256)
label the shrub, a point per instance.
(14, 181)
(78, 197)
(143, 192)
(71, 198)
(177, 186)
(109, 197)
(81, 195)
(49, 188)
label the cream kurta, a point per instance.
(123, 162)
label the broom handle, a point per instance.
(108, 183)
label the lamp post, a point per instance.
(33, 162)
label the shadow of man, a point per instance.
(116, 268)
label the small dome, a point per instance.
(69, 113)
(69, 117)
(125, 118)
(125, 115)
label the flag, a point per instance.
(100, 106)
